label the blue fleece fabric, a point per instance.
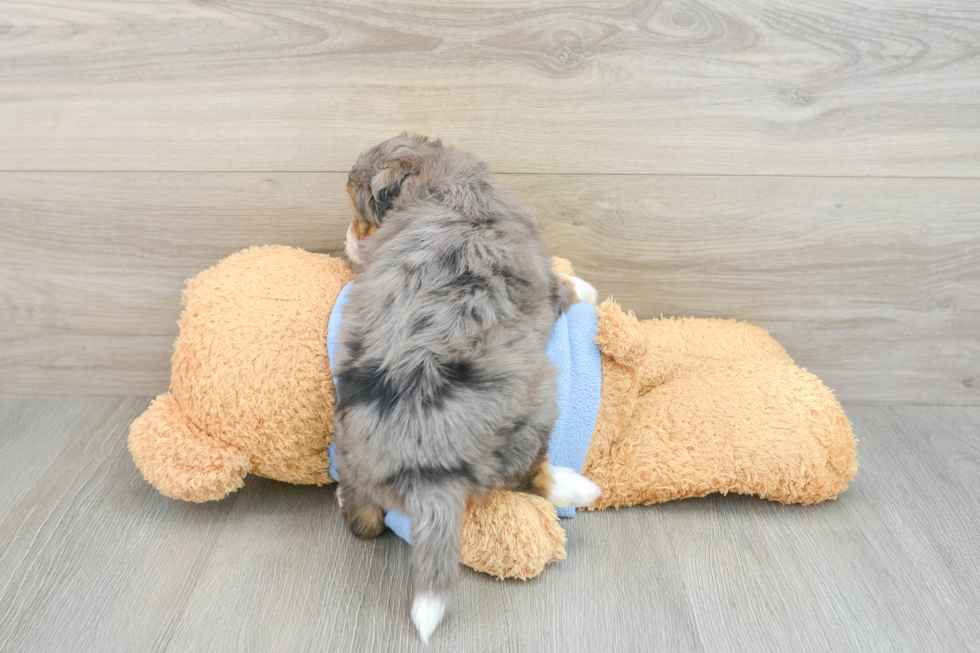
(572, 350)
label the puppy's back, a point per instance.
(444, 386)
(446, 327)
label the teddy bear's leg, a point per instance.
(181, 461)
(724, 410)
(766, 429)
(690, 407)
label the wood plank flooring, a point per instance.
(92, 558)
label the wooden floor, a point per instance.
(93, 559)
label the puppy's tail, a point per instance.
(437, 514)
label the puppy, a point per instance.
(444, 388)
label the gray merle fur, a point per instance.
(444, 387)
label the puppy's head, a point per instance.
(380, 177)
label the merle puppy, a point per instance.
(444, 388)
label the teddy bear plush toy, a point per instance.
(650, 410)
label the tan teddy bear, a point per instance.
(687, 407)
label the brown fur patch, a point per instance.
(363, 229)
(538, 479)
(367, 521)
(350, 192)
(543, 481)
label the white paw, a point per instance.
(352, 246)
(340, 496)
(427, 611)
(571, 489)
(585, 291)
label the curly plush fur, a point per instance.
(688, 407)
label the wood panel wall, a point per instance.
(811, 168)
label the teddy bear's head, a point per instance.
(250, 390)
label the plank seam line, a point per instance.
(505, 174)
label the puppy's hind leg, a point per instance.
(365, 518)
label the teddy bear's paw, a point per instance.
(571, 488)
(427, 611)
(584, 291)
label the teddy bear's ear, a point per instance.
(562, 266)
(618, 334)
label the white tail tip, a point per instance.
(427, 612)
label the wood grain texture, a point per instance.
(916, 512)
(91, 275)
(92, 558)
(86, 563)
(34, 432)
(903, 456)
(875, 88)
(873, 284)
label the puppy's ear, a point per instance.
(385, 192)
